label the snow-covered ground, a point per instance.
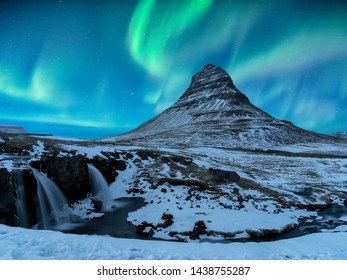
(22, 244)
(272, 186)
(267, 196)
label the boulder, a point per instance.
(223, 176)
(199, 229)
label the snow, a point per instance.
(119, 187)
(38, 149)
(83, 210)
(88, 151)
(317, 148)
(24, 244)
(186, 213)
(287, 176)
(8, 164)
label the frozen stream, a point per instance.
(113, 223)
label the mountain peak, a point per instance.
(212, 75)
(211, 81)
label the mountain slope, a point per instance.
(341, 134)
(213, 112)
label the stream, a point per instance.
(113, 223)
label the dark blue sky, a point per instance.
(114, 64)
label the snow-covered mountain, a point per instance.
(213, 112)
(341, 134)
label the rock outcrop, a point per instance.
(7, 199)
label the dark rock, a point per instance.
(199, 229)
(146, 154)
(7, 199)
(168, 223)
(129, 156)
(111, 155)
(30, 186)
(180, 182)
(168, 220)
(307, 191)
(167, 216)
(135, 190)
(221, 176)
(69, 173)
(150, 233)
(236, 191)
(141, 227)
(108, 166)
(314, 207)
(97, 204)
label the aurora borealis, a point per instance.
(112, 65)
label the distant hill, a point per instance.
(4, 128)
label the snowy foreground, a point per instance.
(270, 194)
(23, 244)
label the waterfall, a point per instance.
(51, 201)
(100, 188)
(21, 209)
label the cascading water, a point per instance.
(52, 204)
(21, 209)
(100, 188)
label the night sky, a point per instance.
(98, 68)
